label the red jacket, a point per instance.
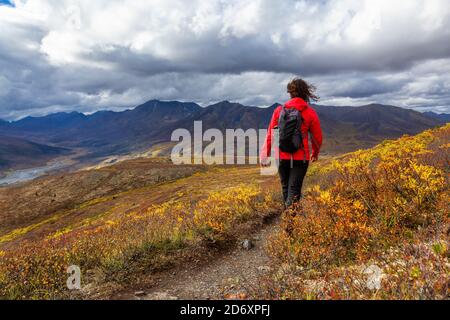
(311, 124)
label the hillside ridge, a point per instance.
(106, 133)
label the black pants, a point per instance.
(292, 175)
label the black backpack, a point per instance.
(289, 126)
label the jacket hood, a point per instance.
(297, 103)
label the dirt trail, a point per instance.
(224, 276)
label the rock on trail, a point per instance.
(227, 276)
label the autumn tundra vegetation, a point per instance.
(122, 247)
(385, 207)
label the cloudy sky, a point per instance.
(84, 55)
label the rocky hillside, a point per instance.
(17, 153)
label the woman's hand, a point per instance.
(314, 158)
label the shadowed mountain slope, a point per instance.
(105, 132)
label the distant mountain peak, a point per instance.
(226, 103)
(443, 117)
(157, 104)
(275, 105)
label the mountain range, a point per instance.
(106, 132)
(445, 117)
(17, 152)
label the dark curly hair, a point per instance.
(299, 88)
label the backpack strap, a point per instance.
(283, 110)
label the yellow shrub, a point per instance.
(215, 215)
(137, 239)
(377, 197)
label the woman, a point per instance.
(293, 166)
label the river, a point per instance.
(23, 175)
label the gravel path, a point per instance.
(226, 276)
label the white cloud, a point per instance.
(87, 55)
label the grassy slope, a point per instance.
(81, 194)
(386, 208)
(148, 227)
(118, 235)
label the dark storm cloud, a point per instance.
(88, 55)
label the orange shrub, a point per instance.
(324, 229)
(379, 198)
